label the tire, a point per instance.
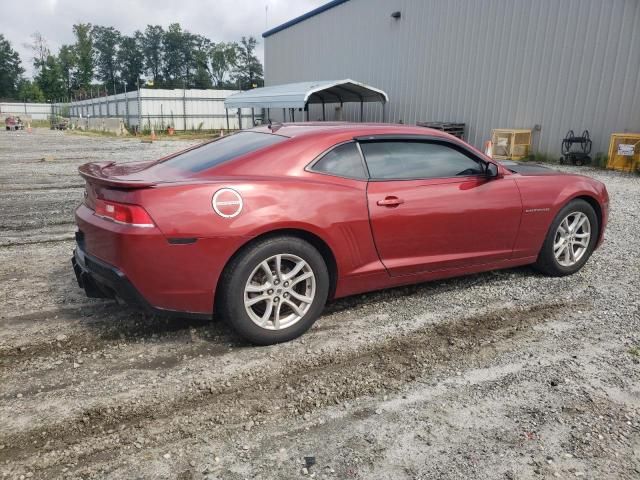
(547, 261)
(245, 279)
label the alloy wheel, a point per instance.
(572, 239)
(279, 291)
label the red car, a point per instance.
(266, 225)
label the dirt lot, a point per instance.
(504, 375)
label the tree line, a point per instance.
(103, 60)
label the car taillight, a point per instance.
(124, 213)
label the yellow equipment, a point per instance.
(510, 143)
(624, 152)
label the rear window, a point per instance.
(227, 148)
(343, 161)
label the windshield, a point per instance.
(219, 151)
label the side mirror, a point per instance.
(492, 170)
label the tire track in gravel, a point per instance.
(115, 322)
(302, 385)
(42, 188)
(48, 380)
(60, 239)
(102, 323)
(22, 227)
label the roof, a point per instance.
(298, 95)
(346, 129)
(312, 13)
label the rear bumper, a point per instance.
(169, 276)
(101, 280)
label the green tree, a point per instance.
(177, 56)
(30, 92)
(105, 44)
(83, 50)
(201, 79)
(131, 59)
(222, 57)
(152, 50)
(248, 70)
(49, 79)
(201, 50)
(10, 69)
(67, 60)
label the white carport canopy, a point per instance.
(299, 95)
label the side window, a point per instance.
(342, 161)
(413, 159)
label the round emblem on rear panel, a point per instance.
(227, 203)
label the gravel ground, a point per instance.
(503, 375)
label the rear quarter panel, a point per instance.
(333, 209)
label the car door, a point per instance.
(432, 206)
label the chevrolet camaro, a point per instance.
(266, 225)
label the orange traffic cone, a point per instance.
(28, 127)
(488, 148)
(153, 134)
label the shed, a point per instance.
(300, 95)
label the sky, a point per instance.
(218, 20)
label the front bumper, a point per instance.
(101, 280)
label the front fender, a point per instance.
(542, 199)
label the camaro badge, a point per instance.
(227, 203)
(536, 210)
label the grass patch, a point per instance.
(146, 134)
(541, 157)
(183, 135)
(40, 123)
(635, 351)
(92, 133)
(600, 160)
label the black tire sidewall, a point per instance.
(232, 294)
(547, 260)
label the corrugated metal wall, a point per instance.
(562, 64)
(183, 109)
(37, 111)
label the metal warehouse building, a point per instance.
(558, 64)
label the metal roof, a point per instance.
(312, 13)
(298, 95)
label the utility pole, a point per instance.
(126, 104)
(114, 94)
(184, 104)
(139, 107)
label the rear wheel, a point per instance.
(570, 240)
(274, 290)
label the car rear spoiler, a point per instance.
(93, 173)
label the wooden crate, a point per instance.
(510, 143)
(455, 129)
(624, 152)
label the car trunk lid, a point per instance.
(126, 175)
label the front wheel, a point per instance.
(570, 240)
(274, 290)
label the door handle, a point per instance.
(390, 201)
